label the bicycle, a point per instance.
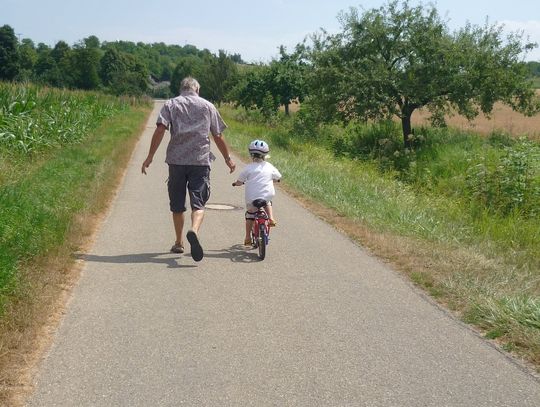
(260, 229)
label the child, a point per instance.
(259, 177)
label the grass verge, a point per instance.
(53, 204)
(473, 265)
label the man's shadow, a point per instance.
(138, 258)
(236, 254)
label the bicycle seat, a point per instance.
(259, 203)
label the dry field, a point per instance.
(503, 118)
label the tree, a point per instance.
(187, 66)
(46, 69)
(86, 65)
(397, 59)
(253, 90)
(218, 77)
(123, 73)
(91, 42)
(63, 56)
(287, 78)
(9, 58)
(27, 59)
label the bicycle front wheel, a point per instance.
(263, 240)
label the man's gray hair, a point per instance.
(189, 83)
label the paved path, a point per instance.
(318, 323)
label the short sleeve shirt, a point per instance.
(259, 180)
(190, 120)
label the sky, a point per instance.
(254, 29)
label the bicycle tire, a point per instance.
(263, 240)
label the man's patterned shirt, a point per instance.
(190, 120)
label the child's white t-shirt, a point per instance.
(258, 179)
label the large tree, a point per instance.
(266, 87)
(287, 78)
(9, 58)
(218, 77)
(86, 64)
(396, 59)
(27, 59)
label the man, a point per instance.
(190, 120)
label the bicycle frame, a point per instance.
(261, 219)
(260, 230)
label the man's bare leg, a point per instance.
(178, 220)
(197, 217)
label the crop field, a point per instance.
(502, 119)
(46, 163)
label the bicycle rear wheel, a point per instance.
(262, 241)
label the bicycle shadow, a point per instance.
(138, 258)
(237, 254)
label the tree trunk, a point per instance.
(287, 109)
(406, 113)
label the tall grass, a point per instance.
(478, 253)
(51, 156)
(35, 118)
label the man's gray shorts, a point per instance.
(193, 178)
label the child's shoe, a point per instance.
(247, 242)
(272, 223)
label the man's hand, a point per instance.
(230, 163)
(146, 164)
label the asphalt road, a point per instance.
(318, 323)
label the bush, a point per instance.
(509, 183)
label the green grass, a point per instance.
(480, 261)
(51, 179)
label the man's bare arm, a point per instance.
(154, 144)
(224, 150)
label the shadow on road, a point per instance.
(237, 254)
(138, 258)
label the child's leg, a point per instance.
(249, 225)
(270, 213)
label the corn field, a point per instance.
(35, 118)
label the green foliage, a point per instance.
(509, 183)
(85, 66)
(216, 75)
(9, 58)
(398, 58)
(122, 73)
(265, 87)
(34, 119)
(27, 60)
(188, 66)
(120, 68)
(534, 68)
(40, 194)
